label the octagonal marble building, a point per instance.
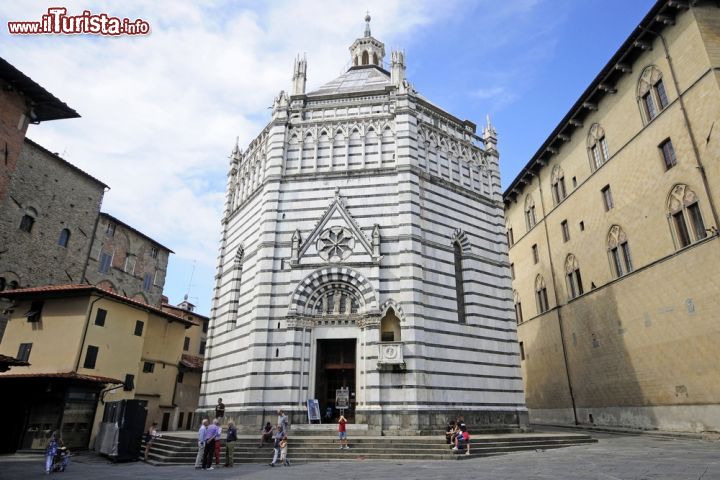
(363, 247)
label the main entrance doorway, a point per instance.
(335, 370)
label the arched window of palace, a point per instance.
(597, 147)
(518, 307)
(572, 277)
(541, 298)
(651, 93)
(619, 251)
(686, 220)
(530, 218)
(557, 184)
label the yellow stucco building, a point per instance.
(85, 346)
(613, 235)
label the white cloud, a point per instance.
(161, 112)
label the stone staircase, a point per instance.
(180, 448)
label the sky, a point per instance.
(161, 112)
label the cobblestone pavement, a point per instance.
(616, 456)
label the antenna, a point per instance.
(190, 284)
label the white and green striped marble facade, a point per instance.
(355, 199)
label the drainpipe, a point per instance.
(686, 118)
(557, 305)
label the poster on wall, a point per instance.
(313, 409)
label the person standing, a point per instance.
(51, 451)
(218, 443)
(220, 411)
(342, 433)
(150, 437)
(283, 421)
(279, 437)
(201, 444)
(210, 435)
(230, 445)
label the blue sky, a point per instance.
(160, 113)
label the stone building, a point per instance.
(47, 220)
(127, 261)
(86, 346)
(613, 232)
(363, 248)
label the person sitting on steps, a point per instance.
(450, 432)
(266, 434)
(462, 440)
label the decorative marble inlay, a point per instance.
(335, 244)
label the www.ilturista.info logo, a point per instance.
(58, 22)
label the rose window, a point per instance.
(335, 244)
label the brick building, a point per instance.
(613, 233)
(127, 261)
(22, 101)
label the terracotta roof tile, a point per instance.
(68, 375)
(191, 361)
(89, 289)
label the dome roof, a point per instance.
(357, 79)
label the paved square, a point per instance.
(616, 456)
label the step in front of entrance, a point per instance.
(182, 450)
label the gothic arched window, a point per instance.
(518, 307)
(459, 285)
(683, 210)
(651, 93)
(557, 184)
(530, 218)
(365, 58)
(619, 251)
(541, 298)
(572, 277)
(597, 147)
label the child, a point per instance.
(342, 433)
(283, 452)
